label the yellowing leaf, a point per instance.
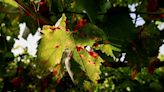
(11, 2)
(54, 41)
(89, 64)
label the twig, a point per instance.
(44, 20)
(33, 14)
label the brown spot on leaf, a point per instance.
(81, 55)
(56, 69)
(54, 28)
(56, 46)
(91, 62)
(93, 54)
(95, 44)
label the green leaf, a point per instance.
(11, 2)
(108, 49)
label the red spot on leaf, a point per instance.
(56, 46)
(93, 54)
(91, 62)
(78, 47)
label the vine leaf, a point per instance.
(108, 49)
(54, 41)
(89, 63)
(57, 39)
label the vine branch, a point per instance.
(32, 13)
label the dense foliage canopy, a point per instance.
(85, 45)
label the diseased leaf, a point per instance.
(54, 41)
(89, 63)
